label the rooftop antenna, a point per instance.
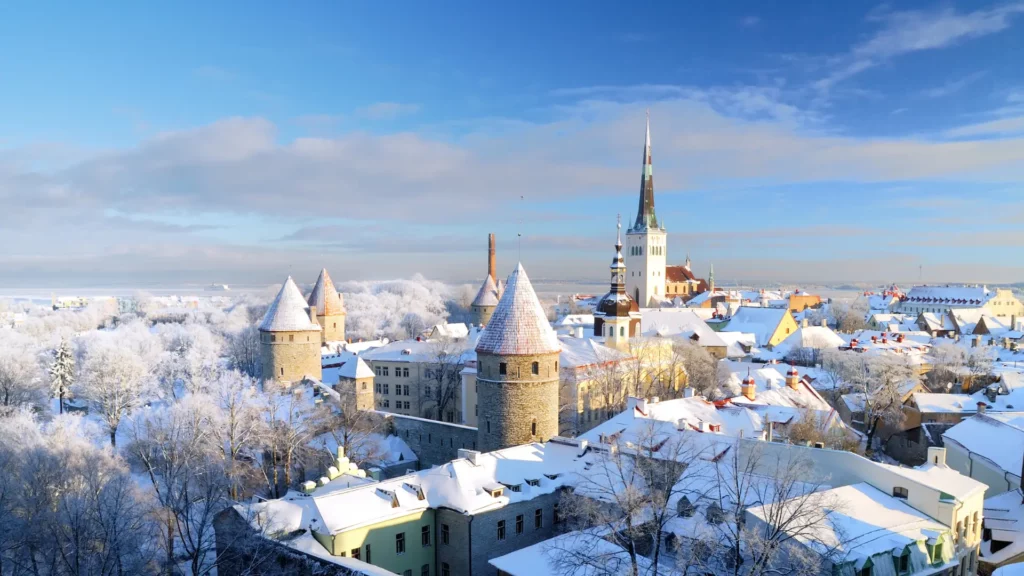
(519, 234)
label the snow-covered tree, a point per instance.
(21, 378)
(115, 381)
(62, 372)
(242, 428)
(244, 353)
(701, 368)
(377, 309)
(444, 377)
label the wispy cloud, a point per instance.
(915, 31)
(387, 110)
(750, 21)
(953, 86)
(1000, 127)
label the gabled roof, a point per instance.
(678, 274)
(288, 312)
(762, 322)
(519, 325)
(488, 294)
(325, 296)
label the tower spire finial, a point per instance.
(618, 229)
(645, 217)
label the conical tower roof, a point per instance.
(288, 312)
(519, 325)
(645, 216)
(325, 296)
(488, 294)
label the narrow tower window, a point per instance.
(533, 427)
(502, 368)
(535, 368)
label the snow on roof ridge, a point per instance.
(519, 325)
(325, 296)
(288, 312)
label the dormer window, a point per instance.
(685, 508)
(533, 481)
(514, 487)
(900, 492)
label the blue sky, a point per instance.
(238, 142)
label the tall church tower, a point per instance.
(617, 316)
(517, 371)
(645, 241)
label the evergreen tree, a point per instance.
(62, 372)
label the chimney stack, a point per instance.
(492, 266)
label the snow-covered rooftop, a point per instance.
(761, 322)
(771, 388)
(1004, 518)
(488, 293)
(817, 337)
(541, 559)
(950, 295)
(863, 522)
(519, 325)
(682, 322)
(977, 433)
(583, 352)
(325, 297)
(289, 312)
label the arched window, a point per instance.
(622, 330)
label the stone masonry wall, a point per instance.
(473, 540)
(433, 442)
(291, 355)
(332, 328)
(510, 404)
(482, 314)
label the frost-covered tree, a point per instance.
(180, 451)
(115, 381)
(244, 353)
(701, 368)
(68, 506)
(443, 378)
(849, 315)
(377, 309)
(242, 428)
(62, 372)
(21, 378)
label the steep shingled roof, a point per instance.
(325, 296)
(288, 312)
(519, 325)
(488, 294)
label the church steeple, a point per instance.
(618, 267)
(645, 216)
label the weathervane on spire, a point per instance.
(618, 231)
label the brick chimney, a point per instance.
(749, 387)
(792, 377)
(492, 266)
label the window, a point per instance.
(425, 570)
(902, 563)
(405, 372)
(425, 536)
(501, 529)
(291, 337)
(900, 492)
(386, 403)
(535, 368)
(400, 543)
(273, 338)
(367, 553)
(533, 427)
(445, 569)
(685, 508)
(502, 368)
(282, 371)
(622, 330)
(355, 553)
(488, 426)
(519, 524)
(444, 534)
(405, 389)
(538, 518)
(387, 388)
(364, 385)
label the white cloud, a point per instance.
(914, 31)
(953, 86)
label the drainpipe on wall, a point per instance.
(470, 551)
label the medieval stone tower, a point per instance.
(290, 337)
(617, 316)
(646, 246)
(517, 371)
(330, 309)
(487, 298)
